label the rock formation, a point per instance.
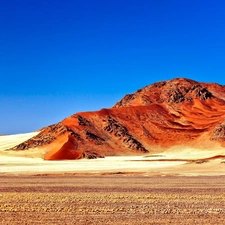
(178, 112)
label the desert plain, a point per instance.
(173, 187)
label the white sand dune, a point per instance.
(9, 141)
(172, 162)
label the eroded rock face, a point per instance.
(45, 137)
(182, 94)
(174, 91)
(219, 132)
(159, 116)
(91, 155)
(82, 121)
(119, 131)
(94, 138)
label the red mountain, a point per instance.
(178, 112)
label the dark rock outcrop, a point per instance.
(119, 131)
(218, 133)
(45, 137)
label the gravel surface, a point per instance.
(112, 199)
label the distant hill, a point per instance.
(179, 112)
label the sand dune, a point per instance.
(9, 141)
(179, 112)
(175, 161)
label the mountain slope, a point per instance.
(178, 112)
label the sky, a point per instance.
(62, 57)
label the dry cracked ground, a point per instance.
(112, 199)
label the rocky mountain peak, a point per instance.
(172, 91)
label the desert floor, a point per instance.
(180, 186)
(175, 161)
(112, 199)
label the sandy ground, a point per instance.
(111, 199)
(176, 161)
(181, 186)
(9, 141)
(21, 165)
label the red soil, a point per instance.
(67, 151)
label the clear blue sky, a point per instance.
(61, 57)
